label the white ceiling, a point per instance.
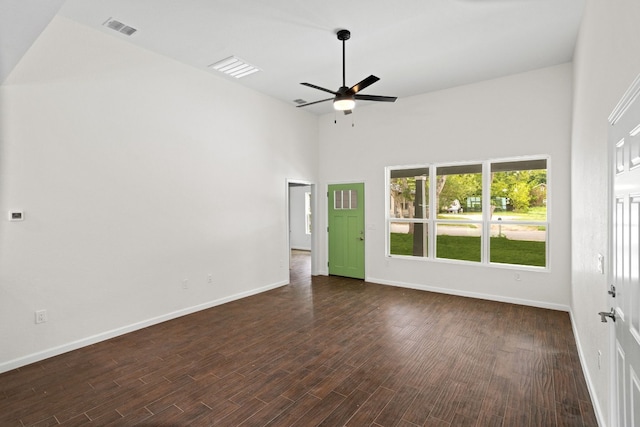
(21, 22)
(414, 46)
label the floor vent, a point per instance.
(119, 27)
(234, 67)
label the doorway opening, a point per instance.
(300, 226)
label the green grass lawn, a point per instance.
(533, 214)
(466, 248)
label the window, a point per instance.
(345, 199)
(519, 212)
(459, 222)
(492, 212)
(307, 212)
(408, 211)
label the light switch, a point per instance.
(601, 263)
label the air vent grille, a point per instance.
(234, 67)
(119, 27)
(299, 101)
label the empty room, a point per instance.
(320, 213)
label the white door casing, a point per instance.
(624, 142)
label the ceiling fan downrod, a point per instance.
(343, 35)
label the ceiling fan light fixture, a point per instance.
(345, 97)
(343, 104)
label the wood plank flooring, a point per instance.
(323, 351)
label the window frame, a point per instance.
(431, 221)
(307, 212)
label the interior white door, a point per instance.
(624, 140)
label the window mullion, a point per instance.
(486, 211)
(433, 214)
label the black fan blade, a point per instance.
(376, 98)
(319, 88)
(314, 102)
(364, 83)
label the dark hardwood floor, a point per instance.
(324, 351)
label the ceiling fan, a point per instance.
(345, 97)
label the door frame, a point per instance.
(326, 220)
(629, 97)
(613, 362)
(314, 230)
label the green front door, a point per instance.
(346, 230)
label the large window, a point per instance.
(482, 212)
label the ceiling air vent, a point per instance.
(299, 101)
(234, 67)
(119, 27)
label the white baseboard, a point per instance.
(103, 336)
(587, 376)
(490, 297)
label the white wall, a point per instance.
(298, 237)
(606, 62)
(135, 172)
(519, 115)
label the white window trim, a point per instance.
(486, 222)
(307, 212)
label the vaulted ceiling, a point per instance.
(414, 46)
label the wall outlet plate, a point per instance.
(41, 316)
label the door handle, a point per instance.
(610, 314)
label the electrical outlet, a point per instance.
(210, 278)
(41, 316)
(185, 284)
